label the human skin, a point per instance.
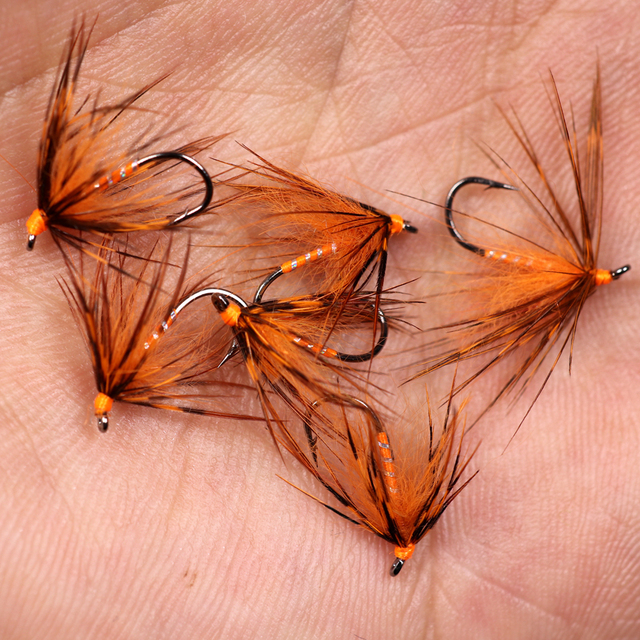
(174, 526)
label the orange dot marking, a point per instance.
(388, 466)
(312, 256)
(323, 351)
(116, 176)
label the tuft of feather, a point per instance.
(88, 182)
(344, 243)
(121, 305)
(526, 295)
(395, 487)
(284, 344)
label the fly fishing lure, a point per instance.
(399, 498)
(345, 241)
(283, 346)
(85, 185)
(121, 318)
(529, 298)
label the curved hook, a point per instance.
(220, 302)
(312, 437)
(351, 357)
(204, 174)
(292, 265)
(369, 355)
(387, 469)
(266, 283)
(211, 291)
(37, 222)
(343, 357)
(448, 209)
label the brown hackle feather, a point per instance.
(80, 146)
(395, 484)
(120, 302)
(298, 215)
(282, 345)
(526, 301)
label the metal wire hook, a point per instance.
(204, 174)
(312, 437)
(369, 355)
(213, 293)
(448, 208)
(38, 221)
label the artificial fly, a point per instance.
(530, 297)
(399, 498)
(84, 186)
(283, 346)
(122, 318)
(345, 241)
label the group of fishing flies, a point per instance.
(166, 335)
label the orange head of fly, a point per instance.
(36, 224)
(398, 224)
(402, 555)
(102, 405)
(602, 276)
(229, 311)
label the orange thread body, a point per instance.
(513, 258)
(164, 327)
(397, 223)
(312, 256)
(404, 553)
(388, 465)
(231, 314)
(37, 222)
(602, 276)
(323, 351)
(102, 404)
(116, 176)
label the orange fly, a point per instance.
(398, 494)
(121, 316)
(283, 346)
(345, 241)
(529, 299)
(86, 186)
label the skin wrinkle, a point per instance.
(332, 86)
(517, 598)
(102, 35)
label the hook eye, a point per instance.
(618, 272)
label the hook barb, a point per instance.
(204, 174)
